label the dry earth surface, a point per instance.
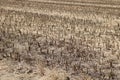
(59, 40)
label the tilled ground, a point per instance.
(32, 42)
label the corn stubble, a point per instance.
(85, 48)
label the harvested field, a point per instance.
(59, 40)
